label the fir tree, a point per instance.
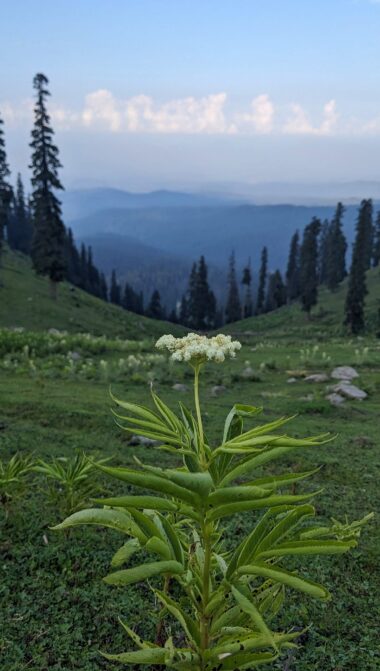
(83, 267)
(233, 306)
(309, 265)
(246, 282)
(336, 250)
(262, 281)
(49, 231)
(376, 243)
(276, 293)
(6, 192)
(115, 290)
(200, 305)
(357, 286)
(20, 227)
(72, 259)
(184, 314)
(133, 301)
(324, 251)
(293, 270)
(103, 287)
(155, 310)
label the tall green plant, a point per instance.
(223, 601)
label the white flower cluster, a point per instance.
(195, 348)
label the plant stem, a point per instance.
(198, 410)
(204, 628)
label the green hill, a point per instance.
(326, 318)
(25, 302)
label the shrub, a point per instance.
(13, 476)
(225, 602)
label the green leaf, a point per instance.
(308, 548)
(187, 624)
(125, 552)
(285, 578)
(143, 502)
(250, 609)
(282, 528)
(277, 481)
(256, 504)
(145, 656)
(247, 661)
(158, 546)
(143, 572)
(172, 537)
(139, 410)
(232, 494)
(115, 519)
(136, 638)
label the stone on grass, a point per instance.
(335, 399)
(142, 440)
(178, 386)
(350, 391)
(317, 377)
(344, 373)
(218, 389)
(291, 380)
(248, 373)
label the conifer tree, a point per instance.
(262, 281)
(376, 243)
(293, 270)
(184, 314)
(6, 192)
(336, 250)
(155, 310)
(115, 296)
(49, 231)
(309, 265)
(357, 286)
(72, 259)
(246, 282)
(20, 227)
(324, 252)
(367, 230)
(84, 267)
(103, 287)
(276, 293)
(200, 303)
(233, 306)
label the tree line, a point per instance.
(35, 227)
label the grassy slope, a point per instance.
(327, 317)
(25, 301)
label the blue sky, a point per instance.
(197, 90)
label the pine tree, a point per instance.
(83, 267)
(155, 310)
(324, 251)
(246, 281)
(115, 296)
(376, 243)
(103, 287)
(6, 192)
(357, 286)
(262, 281)
(20, 227)
(293, 270)
(233, 306)
(200, 303)
(309, 265)
(49, 231)
(336, 250)
(276, 294)
(184, 314)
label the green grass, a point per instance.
(25, 302)
(55, 611)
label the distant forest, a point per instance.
(33, 224)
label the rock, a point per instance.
(317, 377)
(350, 391)
(218, 389)
(291, 380)
(248, 373)
(335, 399)
(344, 373)
(74, 356)
(142, 440)
(179, 387)
(308, 398)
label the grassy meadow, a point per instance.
(54, 402)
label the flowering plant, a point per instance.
(224, 601)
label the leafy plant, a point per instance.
(13, 475)
(71, 482)
(224, 601)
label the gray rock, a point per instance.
(307, 398)
(335, 399)
(317, 377)
(142, 440)
(218, 389)
(179, 387)
(344, 373)
(248, 373)
(350, 391)
(74, 356)
(291, 380)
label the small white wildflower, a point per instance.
(194, 348)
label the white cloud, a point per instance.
(261, 115)
(101, 106)
(300, 124)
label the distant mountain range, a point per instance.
(152, 239)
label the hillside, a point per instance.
(25, 302)
(326, 318)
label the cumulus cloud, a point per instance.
(299, 123)
(101, 106)
(261, 116)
